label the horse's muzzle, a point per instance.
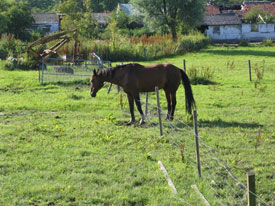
(93, 94)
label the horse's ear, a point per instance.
(95, 72)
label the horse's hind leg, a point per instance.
(137, 100)
(131, 106)
(168, 99)
(174, 102)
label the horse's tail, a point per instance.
(189, 99)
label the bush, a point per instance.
(243, 42)
(9, 44)
(8, 65)
(268, 42)
(204, 75)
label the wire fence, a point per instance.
(223, 187)
(59, 70)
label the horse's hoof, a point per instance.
(130, 123)
(141, 122)
(169, 118)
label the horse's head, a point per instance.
(96, 83)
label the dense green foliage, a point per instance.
(233, 1)
(10, 44)
(253, 16)
(42, 5)
(171, 13)
(60, 147)
(15, 18)
(94, 5)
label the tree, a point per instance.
(105, 5)
(43, 5)
(172, 13)
(3, 23)
(78, 16)
(253, 15)
(15, 18)
(19, 19)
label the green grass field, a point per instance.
(60, 147)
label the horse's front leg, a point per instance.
(138, 103)
(131, 106)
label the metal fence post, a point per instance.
(249, 70)
(251, 189)
(184, 65)
(42, 72)
(197, 141)
(159, 111)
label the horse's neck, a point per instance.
(112, 76)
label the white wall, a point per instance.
(227, 32)
(238, 32)
(265, 31)
(54, 27)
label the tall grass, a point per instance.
(140, 48)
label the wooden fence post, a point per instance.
(200, 195)
(170, 183)
(159, 111)
(249, 70)
(251, 189)
(197, 141)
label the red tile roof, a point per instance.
(212, 10)
(267, 7)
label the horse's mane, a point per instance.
(111, 71)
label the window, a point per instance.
(254, 28)
(216, 30)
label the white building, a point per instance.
(46, 22)
(229, 28)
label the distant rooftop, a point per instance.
(128, 9)
(257, 2)
(222, 19)
(102, 18)
(45, 18)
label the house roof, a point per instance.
(102, 18)
(267, 6)
(222, 19)
(45, 18)
(212, 9)
(128, 9)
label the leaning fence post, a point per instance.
(200, 195)
(249, 70)
(197, 141)
(158, 109)
(251, 189)
(170, 183)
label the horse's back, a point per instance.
(146, 78)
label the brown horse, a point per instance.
(135, 78)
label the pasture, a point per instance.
(58, 146)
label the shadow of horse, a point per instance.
(217, 123)
(224, 124)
